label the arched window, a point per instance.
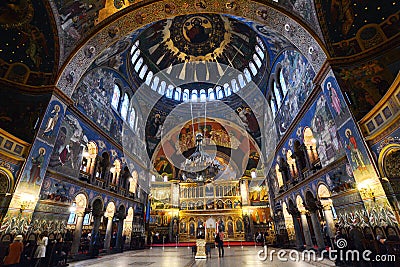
(260, 43)
(115, 171)
(277, 94)
(247, 74)
(185, 95)
(211, 94)
(161, 88)
(194, 95)
(125, 106)
(253, 68)
(220, 92)
(203, 95)
(311, 144)
(143, 71)
(279, 176)
(135, 57)
(132, 118)
(272, 105)
(134, 47)
(116, 96)
(227, 89)
(242, 82)
(138, 64)
(177, 94)
(170, 90)
(282, 82)
(154, 84)
(257, 61)
(235, 86)
(260, 52)
(292, 163)
(149, 77)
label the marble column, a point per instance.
(95, 230)
(77, 233)
(107, 239)
(119, 242)
(297, 230)
(306, 230)
(329, 220)
(317, 230)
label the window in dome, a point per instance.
(185, 95)
(134, 47)
(132, 118)
(211, 94)
(124, 106)
(253, 68)
(116, 96)
(247, 74)
(203, 95)
(228, 90)
(170, 90)
(177, 94)
(282, 82)
(235, 86)
(277, 95)
(260, 53)
(149, 77)
(220, 92)
(273, 106)
(260, 43)
(242, 82)
(143, 71)
(154, 84)
(161, 89)
(257, 61)
(194, 95)
(138, 64)
(135, 57)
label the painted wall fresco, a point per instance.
(93, 97)
(298, 75)
(319, 119)
(27, 38)
(77, 19)
(353, 26)
(21, 119)
(335, 101)
(71, 140)
(365, 83)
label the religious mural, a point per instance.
(364, 84)
(27, 39)
(52, 121)
(335, 101)
(93, 97)
(353, 26)
(296, 84)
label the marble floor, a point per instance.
(182, 257)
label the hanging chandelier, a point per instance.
(200, 166)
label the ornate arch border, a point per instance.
(299, 34)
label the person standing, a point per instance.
(221, 244)
(40, 252)
(14, 253)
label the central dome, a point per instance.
(198, 48)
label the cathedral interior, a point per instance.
(146, 122)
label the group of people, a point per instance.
(36, 254)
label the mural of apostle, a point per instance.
(336, 104)
(34, 174)
(355, 153)
(52, 121)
